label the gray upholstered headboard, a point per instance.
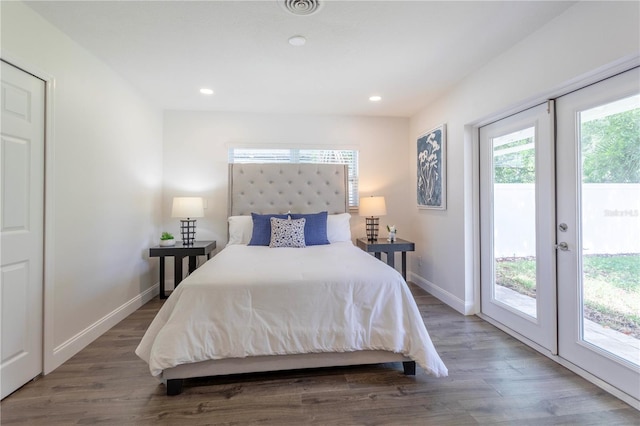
(279, 188)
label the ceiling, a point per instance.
(409, 53)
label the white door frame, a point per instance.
(472, 140)
(49, 197)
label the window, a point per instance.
(315, 156)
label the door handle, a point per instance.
(562, 246)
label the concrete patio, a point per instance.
(619, 344)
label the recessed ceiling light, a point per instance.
(297, 40)
(375, 98)
(205, 91)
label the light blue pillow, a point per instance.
(315, 229)
(261, 235)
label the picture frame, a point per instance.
(431, 160)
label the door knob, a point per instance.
(562, 246)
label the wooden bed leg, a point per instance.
(174, 387)
(409, 368)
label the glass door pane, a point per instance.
(514, 220)
(610, 204)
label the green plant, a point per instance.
(166, 236)
(610, 148)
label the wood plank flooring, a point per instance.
(493, 379)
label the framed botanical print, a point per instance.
(432, 169)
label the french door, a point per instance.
(517, 215)
(560, 227)
(598, 206)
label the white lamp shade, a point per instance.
(187, 207)
(372, 206)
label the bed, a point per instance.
(254, 308)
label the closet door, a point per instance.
(22, 227)
(598, 193)
(517, 222)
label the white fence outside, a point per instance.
(611, 219)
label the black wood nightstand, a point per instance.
(179, 252)
(390, 248)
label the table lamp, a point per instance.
(187, 208)
(371, 208)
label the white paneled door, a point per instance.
(21, 227)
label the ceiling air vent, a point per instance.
(302, 7)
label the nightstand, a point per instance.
(390, 248)
(179, 252)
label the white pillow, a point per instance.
(338, 227)
(240, 229)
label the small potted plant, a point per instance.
(167, 240)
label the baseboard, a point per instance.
(75, 344)
(465, 308)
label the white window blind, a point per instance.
(315, 156)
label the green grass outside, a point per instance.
(611, 287)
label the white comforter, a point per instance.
(250, 300)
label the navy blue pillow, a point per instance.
(315, 228)
(261, 235)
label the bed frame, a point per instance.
(279, 188)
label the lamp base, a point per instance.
(188, 231)
(372, 228)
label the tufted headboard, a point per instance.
(279, 188)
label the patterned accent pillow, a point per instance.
(287, 232)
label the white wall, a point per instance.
(588, 36)
(104, 168)
(196, 162)
(514, 220)
(610, 218)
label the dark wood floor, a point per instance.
(493, 379)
